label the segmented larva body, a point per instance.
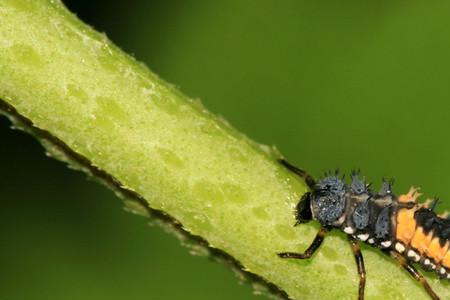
(400, 226)
(389, 222)
(423, 236)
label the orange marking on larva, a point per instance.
(406, 225)
(436, 251)
(446, 260)
(412, 195)
(420, 241)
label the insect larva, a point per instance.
(410, 232)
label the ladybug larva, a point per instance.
(408, 231)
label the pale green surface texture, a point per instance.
(72, 82)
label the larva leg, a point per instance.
(419, 277)
(359, 264)
(311, 249)
(303, 174)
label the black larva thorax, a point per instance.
(355, 209)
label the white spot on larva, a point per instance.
(386, 244)
(371, 241)
(426, 262)
(349, 230)
(442, 271)
(448, 276)
(363, 237)
(399, 247)
(413, 254)
(432, 266)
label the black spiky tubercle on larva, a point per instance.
(358, 186)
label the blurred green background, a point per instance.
(348, 84)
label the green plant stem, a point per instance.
(101, 111)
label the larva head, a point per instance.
(304, 214)
(328, 199)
